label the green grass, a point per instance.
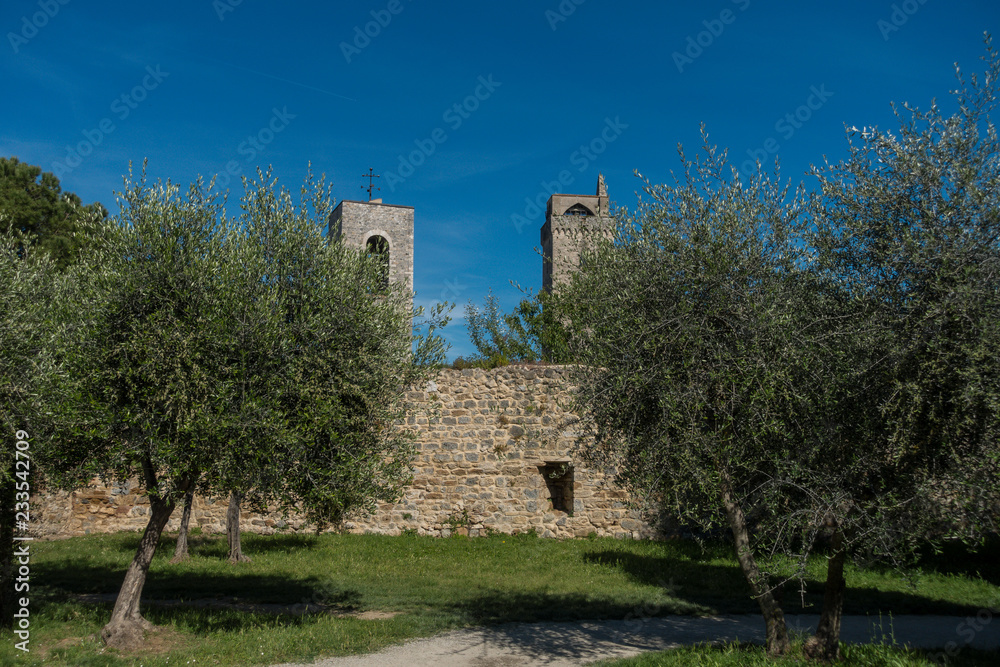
(431, 585)
(736, 655)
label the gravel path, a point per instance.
(579, 643)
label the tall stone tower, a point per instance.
(383, 229)
(569, 221)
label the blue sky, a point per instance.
(468, 110)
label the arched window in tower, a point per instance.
(578, 209)
(378, 247)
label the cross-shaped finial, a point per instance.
(371, 176)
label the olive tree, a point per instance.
(687, 327)
(33, 292)
(308, 373)
(25, 287)
(242, 354)
(812, 370)
(908, 232)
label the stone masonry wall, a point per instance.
(494, 454)
(355, 222)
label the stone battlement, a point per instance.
(494, 453)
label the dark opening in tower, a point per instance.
(579, 209)
(378, 248)
(558, 477)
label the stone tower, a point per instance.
(382, 229)
(569, 221)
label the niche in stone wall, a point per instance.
(558, 476)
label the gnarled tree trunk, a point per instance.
(774, 618)
(233, 529)
(126, 628)
(181, 551)
(825, 644)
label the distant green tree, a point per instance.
(34, 204)
(529, 333)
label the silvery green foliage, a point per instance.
(833, 354)
(34, 298)
(141, 357)
(696, 355)
(18, 302)
(686, 325)
(244, 351)
(29, 286)
(325, 386)
(910, 237)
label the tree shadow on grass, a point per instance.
(215, 544)
(724, 589)
(206, 543)
(564, 624)
(719, 588)
(956, 558)
(495, 607)
(179, 591)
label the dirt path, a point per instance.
(570, 644)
